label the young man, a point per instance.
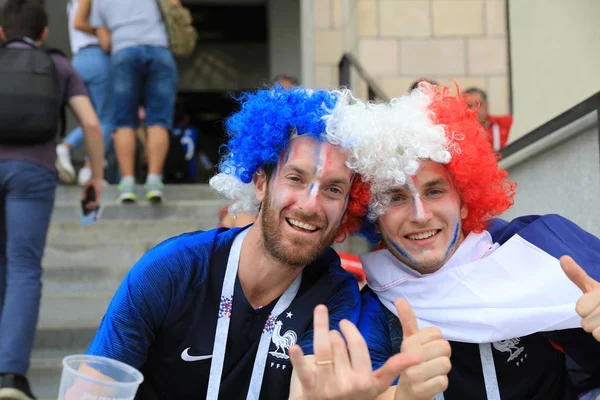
(27, 186)
(494, 289)
(497, 126)
(213, 314)
(143, 72)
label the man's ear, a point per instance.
(344, 218)
(2, 34)
(44, 35)
(464, 212)
(260, 183)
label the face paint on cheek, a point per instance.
(455, 236)
(281, 199)
(403, 253)
(418, 208)
(456, 233)
(278, 196)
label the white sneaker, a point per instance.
(154, 192)
(66, 172)
(85, 174)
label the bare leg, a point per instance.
(157, 148)
(124, 142)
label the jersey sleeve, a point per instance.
(150, 294)
(375, 327)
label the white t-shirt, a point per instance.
(78, 38)
(131, 23)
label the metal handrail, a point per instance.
(346, 63)
(574, 113)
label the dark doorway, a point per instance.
(231, 56)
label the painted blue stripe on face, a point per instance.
(404, 254)
(454, 239)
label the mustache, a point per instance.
(313, 219)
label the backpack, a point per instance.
(31, 108)
(182, 34)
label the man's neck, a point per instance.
(263, 278)
(29, 41)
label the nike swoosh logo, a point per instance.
(186, 357)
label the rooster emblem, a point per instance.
(283, 342)
(510, 346)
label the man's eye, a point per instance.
(397, 198)
(435, 192)
(335, 190)
(294, 178)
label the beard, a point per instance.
(302, 251)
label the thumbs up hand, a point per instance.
(428, 378)
(588, 305)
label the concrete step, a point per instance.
(72, 310)
(67, 193)
(95, 255)
(113, 231)
(204, 211)
(68, 322)
(44, 376)
(82, 279)
(74, 340)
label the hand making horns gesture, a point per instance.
(341, 369)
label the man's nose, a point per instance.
(309, 200)
(419, 212)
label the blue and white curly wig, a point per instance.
(260, 131)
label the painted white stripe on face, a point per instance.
(314, 189)
(321, 159)
(417, 203)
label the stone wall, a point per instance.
(399, 41)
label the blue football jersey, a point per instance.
(163, 318)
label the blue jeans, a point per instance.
(26, 199)
(143, 75)
(93, 65)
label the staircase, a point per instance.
(84, 266)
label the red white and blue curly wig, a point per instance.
(386, 143)
(261, 131)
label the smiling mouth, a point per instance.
(423, 235)
(301, 225)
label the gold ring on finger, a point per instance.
(324, 362)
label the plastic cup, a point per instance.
(86, 377)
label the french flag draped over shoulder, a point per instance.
(503, 283)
